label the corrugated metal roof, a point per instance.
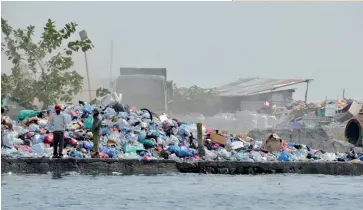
(253, 86)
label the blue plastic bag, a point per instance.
(76, 154)
(284, 156)
(88, 145)
(142, 136)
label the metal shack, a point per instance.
(252, 93)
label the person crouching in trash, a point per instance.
(96, 132)
(59, 124)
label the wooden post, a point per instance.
(200, 139)
(306, 91)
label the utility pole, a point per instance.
(343, 93)
(111, 62)
(83, 35)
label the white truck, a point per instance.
(145, 88)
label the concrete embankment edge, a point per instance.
(108, 166)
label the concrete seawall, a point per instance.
(107, 166)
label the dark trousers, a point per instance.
(58, 139)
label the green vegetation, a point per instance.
(41, 69)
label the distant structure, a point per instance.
(252, 93)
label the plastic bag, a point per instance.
(110, 112)
(26, 114)
(9, 139)
(122, 123)
(38, 148)
(34, 128)
(142, 136)
(88, 145)
(88, 122)
(172, 140)
(36, 139)
(110, 152)
(131, 148)
(148, 143)
(23, 148)
(19, 130)
(111, 98)
(284, 156)
(209, 155)
(42, 123)
(131, 155)
(77, 154)
(329, 156)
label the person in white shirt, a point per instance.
(59, 123)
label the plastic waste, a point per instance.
(26, 114)
(210, 155)
(36, 139)
(172, 140)
(122, 123)
(19, 130)
(109, 112)
(111, 152)
(328, 156)
(23, 148)
(88, 145)
(9, 139)
(38, 148)
(148, 143)
(88, 122)
(284, 156)
(34, 128)
(131, 155)
(77, 154)
(131, 148)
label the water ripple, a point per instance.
(181, 191)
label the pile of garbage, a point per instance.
(129, 133)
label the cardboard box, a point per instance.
(218, 138)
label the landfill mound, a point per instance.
(130, 133)
(313, 137)
(242, 121)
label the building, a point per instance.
(252, 93)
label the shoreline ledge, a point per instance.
(129, 167)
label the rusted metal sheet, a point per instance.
(252, 86)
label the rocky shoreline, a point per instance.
(128, 167)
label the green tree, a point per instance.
(48, 63)
(195, 99)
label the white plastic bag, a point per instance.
(19, 130)
(172, 140)
(36, 139)
(38, 148)
(33, 128)
(110, 98)
(9, 139)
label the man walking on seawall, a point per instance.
(96, 131)
(59, 124)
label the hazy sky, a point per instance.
(211, 44)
